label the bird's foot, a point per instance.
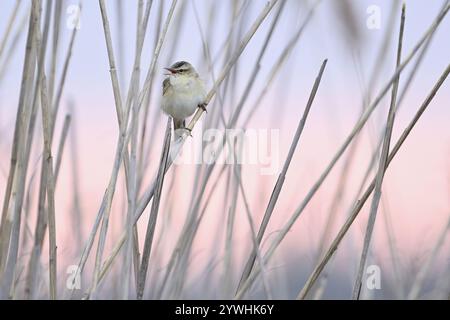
(203, 107)
(189, 131)
(183, 130)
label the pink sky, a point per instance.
(417, 184)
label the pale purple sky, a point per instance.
(418, 181)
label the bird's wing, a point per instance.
(166, 85)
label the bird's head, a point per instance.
(182, 68)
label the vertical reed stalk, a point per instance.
(381, 166)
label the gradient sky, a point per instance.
(417, 184)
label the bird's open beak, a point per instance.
(171, 70)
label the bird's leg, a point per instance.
(180, 131)
(188, 130)
(180, 126)
(203, 106)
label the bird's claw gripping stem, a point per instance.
(203, 107)
(189, 131)
(182, 131)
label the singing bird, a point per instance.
(183, 93)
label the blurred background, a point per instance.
(359, 39)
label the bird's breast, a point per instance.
(183, 96)
(182, 84)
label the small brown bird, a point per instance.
(183, 93)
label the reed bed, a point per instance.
(147, 234)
